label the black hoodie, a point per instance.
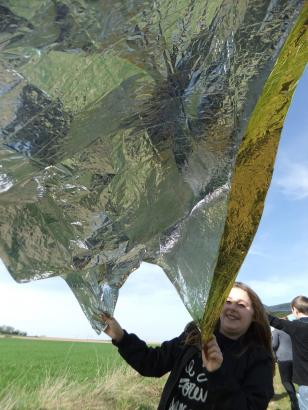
(244, 381)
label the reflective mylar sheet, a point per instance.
(122, 125)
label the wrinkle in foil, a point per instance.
(120, 125)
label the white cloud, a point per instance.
(255, 251)
(293, 180)
(48, 307)
(38, 311)
(155, 311)
(273, 290)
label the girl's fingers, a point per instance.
(213, 349)
(211, 345)
(212, 342)
(215, 356)
(106, 317)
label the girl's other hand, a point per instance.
(212, 357)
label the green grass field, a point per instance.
(26, 362)
(46, 375)
(281, 399)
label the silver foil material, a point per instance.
(120, 123)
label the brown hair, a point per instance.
(301, 304)
(258, 333)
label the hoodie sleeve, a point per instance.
(147, 360)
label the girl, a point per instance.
(234, 370)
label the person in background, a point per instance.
(282, 347)
(298, 331)
(233, 371)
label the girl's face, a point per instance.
(237, 314)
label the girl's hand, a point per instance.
(212, 357)
(113, 329)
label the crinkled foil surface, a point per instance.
(122, 129)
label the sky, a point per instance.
(276, 266)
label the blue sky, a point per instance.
(276, 265)
(279, 254)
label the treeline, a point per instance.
(9, 330)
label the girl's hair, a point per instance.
(258, 333)
(301, 304)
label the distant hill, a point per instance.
(280, 310)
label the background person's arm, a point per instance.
(282, 324)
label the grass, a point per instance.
(281, 399)
(25, 362)
(119, 389)
(47, 375)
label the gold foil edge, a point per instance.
(254, 168)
